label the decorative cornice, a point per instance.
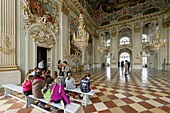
(166, 23)
(140, 18)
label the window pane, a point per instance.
(124, 40)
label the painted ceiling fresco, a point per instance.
(104, 12)
(47, 8)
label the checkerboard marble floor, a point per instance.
(142, 91)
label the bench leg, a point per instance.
(29, 101)
(7, 91)
(85, 99)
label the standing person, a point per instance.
(122, 66)
(41, 65)
(59, 67)
(66, 69)
(88, 66)
(126, 67)
(118, 64)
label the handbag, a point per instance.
(48, 93)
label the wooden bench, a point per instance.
(85, 100)
(9, 88)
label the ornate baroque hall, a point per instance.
(123, 44)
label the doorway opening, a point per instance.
(144, 59)
(124, 56)
(42, 55)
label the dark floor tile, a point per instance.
(146, 111)
(112, 97)
(142, 97)
(127, 94)
(16, 105)
(161, 101)
(146, 105)
(95, 100)
(105, 111)
(10, 101)
(25, 110)
(127, 100)
(102, 89)
(110, 104)
(99, 94)
(90, 108)
(128, 109)
(165, 108)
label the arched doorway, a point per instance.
(125, 54)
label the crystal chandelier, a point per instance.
(103, 49)
(156, 42)
(81, 37)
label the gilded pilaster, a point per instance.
(113, 46)
(137, 45)
(64, 8)
(7, 34)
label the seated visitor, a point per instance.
(37, 85)
(58, 94)
(27, 85)
(70, 82)
(85, 84)
(61, 76)
(34, 71)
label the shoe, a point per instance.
(62, 104)
(53, 108)
(41, 105)
(81, 96)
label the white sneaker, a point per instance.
(62, 104)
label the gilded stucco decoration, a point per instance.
(113, 32)
(65, 8)
(43, 37)
(137, 28)
(6, 49)
(43, 12)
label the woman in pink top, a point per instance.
(27, 85)
(58, 94)
(59, 67)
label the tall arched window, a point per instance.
(124, 41)
(145, 38)
(108, 42)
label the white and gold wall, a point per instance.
(9, 70)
